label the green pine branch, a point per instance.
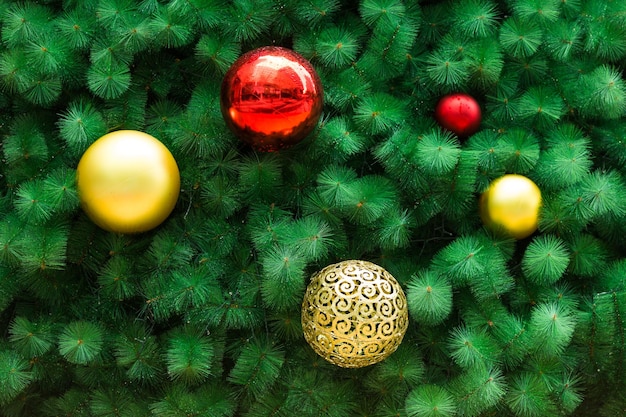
(258, 367)
(14, 375)
(201, 316)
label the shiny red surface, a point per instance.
(271, 98)
(458, 113)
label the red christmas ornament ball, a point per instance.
(271, 98)
(458, 113)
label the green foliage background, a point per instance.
(201, 316)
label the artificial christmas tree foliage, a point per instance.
(202, 314)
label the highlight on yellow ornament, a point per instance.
(511, 204)
(354, 313)
(128, 182)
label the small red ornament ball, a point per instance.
(458, 113)
(271, 98)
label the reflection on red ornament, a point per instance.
(271, 98)
(458, 113)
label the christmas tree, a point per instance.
(200, 316)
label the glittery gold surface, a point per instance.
(354, 313)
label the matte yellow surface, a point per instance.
(511, 204)
(128, 182)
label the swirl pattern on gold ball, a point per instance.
(354, 313)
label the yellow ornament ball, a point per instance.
(354, 313)
(128, 182)
(511, 204)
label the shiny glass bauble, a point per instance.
(511, 205)
(459, 113)
(128, 182)
(271, 98)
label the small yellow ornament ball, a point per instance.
(354, 313)
(128, 182)
(511, 204)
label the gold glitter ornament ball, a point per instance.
(354, 313)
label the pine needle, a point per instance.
(429, 297)
(80, 342)
(545, 260)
